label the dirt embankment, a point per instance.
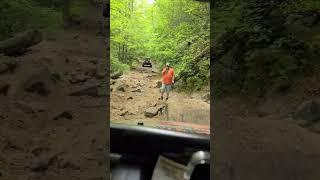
(262, 139)
(53, 105)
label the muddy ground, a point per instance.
(48, 129)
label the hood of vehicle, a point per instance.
(184, 127)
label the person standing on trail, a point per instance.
(167, 80)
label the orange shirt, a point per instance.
(167, 76)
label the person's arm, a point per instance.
(163, 71)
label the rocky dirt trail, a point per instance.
(134, 98)
(53, 104)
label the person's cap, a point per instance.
(167, 64)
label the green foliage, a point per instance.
(166, 31)
(265, 46)
(45, 15)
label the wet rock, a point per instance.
(116, 75)
(65, 114)
(308, 112)
(4, 87)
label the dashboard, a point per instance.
(144, 153)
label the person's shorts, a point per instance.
(166, 87)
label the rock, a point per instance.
(19, 44)
(35, 80)
(66, 60)
(78, 69)
(151, 112)
(154, 110)
(308, 111)
(124, 113)
(122, 87)
(116, 75)
(112, 82)
(206, 97)
(129, 98)
(79, 78)
(159, 84)
(56, 76)
(65, 164)
(4, 87)
(7, 64)
(93, 61)
(88, 90)
(28, 108)
(65, 114)
(43, 163)
(136, 90)
(39, 88)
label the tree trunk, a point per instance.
(66, 12)
(119, 52)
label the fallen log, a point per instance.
(20, 43)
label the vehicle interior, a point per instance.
(136, 149)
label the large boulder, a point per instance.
(308, 112)
(154, 110)
(151, 112)
(122, 87)
(20, 43)
(35, 79)
(116, 75)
